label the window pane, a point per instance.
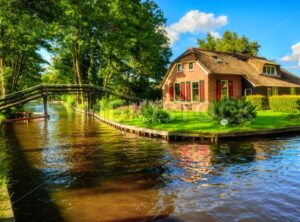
(177, 91)
(272, 70)
(268, 70)
(179, 67)
(224, 89)
(191, 66)
(195, 90)
(265, 70)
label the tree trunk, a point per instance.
(2, 78)
(109, 71)
(77, 61)
(92, 68)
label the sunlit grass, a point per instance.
(187, 121)
(3, 181)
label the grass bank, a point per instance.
(5, 206)
(195, 122)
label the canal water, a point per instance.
(77, 169)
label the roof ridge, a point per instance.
(229, 53)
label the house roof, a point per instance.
(251, 67)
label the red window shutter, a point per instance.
(202, 91)
(171, 92)
(182, 89)
(230, 88)
(188, 91)
(218, 90)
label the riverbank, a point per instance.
(6, 212)
(197, 125)
(195, 122)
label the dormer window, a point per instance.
(191, 66)
(269, 70)
(179, 67)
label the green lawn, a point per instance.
(3, 183)
(201, 122)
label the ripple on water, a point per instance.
(92, 172)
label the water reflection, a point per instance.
(92, 172)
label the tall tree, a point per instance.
(22, 33)
(230, 42)
(118, 44)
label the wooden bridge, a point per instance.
(43, 91)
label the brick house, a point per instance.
(198, 77)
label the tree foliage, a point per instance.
(230, 42)
(118, 44)
(111, 43)
(23, 31)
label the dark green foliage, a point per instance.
(230, 42)
(232, 112)
(259, 101)
(152, 113)
(285, 103)
(116, 44)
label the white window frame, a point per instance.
(179, 64)
(192, 93)
(191, 62)
(270, 67)
(248, 89)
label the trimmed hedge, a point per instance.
(259, 101)
(285, 104)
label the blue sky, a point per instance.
(274, 24)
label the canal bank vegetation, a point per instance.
(239, 120)
(5, 206)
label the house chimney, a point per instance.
(190, 48)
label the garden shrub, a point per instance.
(285, 103)
(69, 99)
(116, 103)
(153, 113)
(97, 105)
(232, 112)
(259, 101)
(125, 112)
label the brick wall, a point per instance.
(186, 75)
(197, 74)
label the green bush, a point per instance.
(4, 167)
(97, 105)
(258, 101)
(69, 99)
(285, 103)
(232, 112)
(116, 103)
(125, 113)
(153, 113)
(2, 117)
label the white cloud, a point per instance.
(295, 56)
(195, 22)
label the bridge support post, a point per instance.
(45, 105)
(89, 104)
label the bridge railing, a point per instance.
(52, 89)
